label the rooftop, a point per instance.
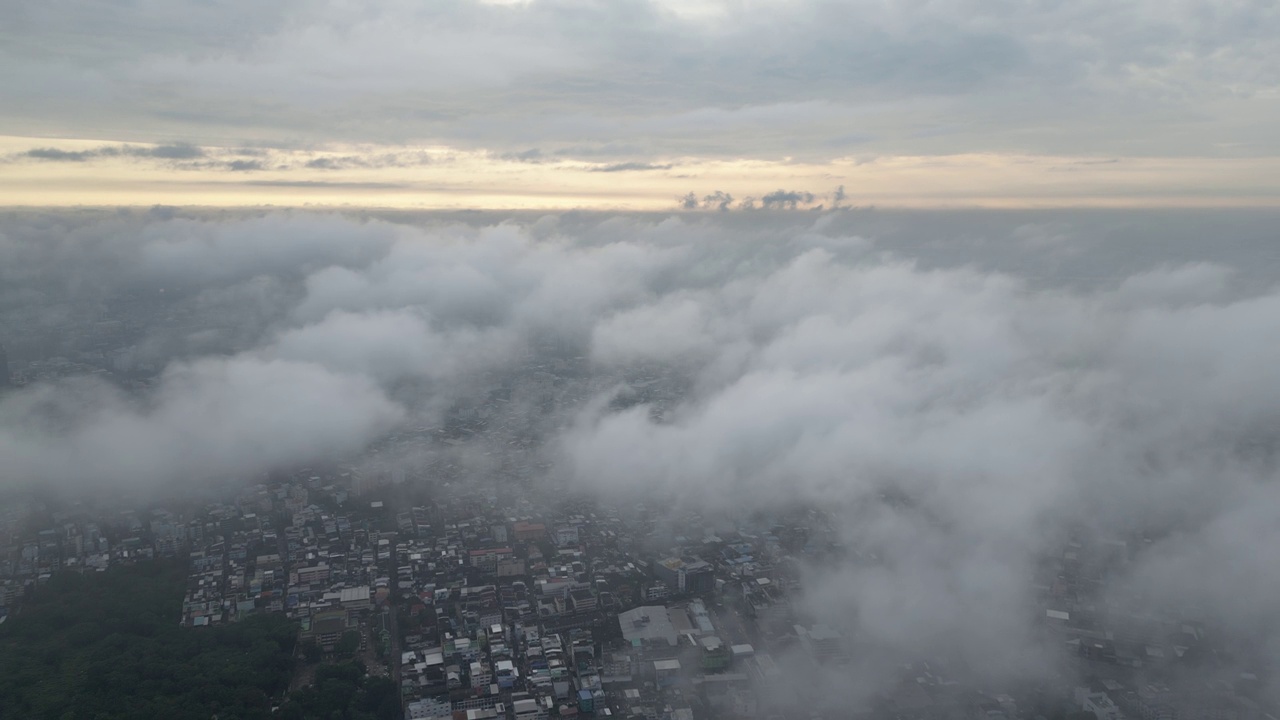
(647, 623)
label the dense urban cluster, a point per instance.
(481, 605)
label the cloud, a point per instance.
(351, 184)
(946, 395)
(631, 167)
(532, 155)
(186, 252)
(391, 345)
(776, 80)
(720, 200)
(672, 331)
(370, 160)
(831, 384)
(180, 151)
(60, 155)
(206, 419)
(786, 199)
(324, 163)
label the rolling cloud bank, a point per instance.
(959, 392)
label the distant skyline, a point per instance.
(634, 104)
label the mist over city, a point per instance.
(1022, 451)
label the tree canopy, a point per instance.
(108, 646)
(344, 692)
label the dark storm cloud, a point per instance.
(244, 165)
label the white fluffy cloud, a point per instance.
(952, 417)
(391, 345)
(210, 418)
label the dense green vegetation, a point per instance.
(102, 646)
(344, 692)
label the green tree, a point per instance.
(348, 644)
(107, 646)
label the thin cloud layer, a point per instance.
(180, 151)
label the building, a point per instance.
(700, 618)
(648, 624)
(311, 575)
(327, 627)
(765, 602)
(487, 559)
(1097, 703)
(567, 536)
(824, 643)
(582, 600)
(686, 575)
(506, 673)
(657, 591)
(528, 709)
(356, 598)
(666, 672)
(429, 708)
(716, 656)
(6, 379)
(509, 567)
(697, 577)
(529, 532)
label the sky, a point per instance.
(640, 104)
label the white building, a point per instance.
(648, 623)
(429, 708)
(356, 598)
(566, 536)
(310, 575)
(528, 709)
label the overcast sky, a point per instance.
(634, 103)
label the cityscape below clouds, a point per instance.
(662, 359)
(875, 459)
